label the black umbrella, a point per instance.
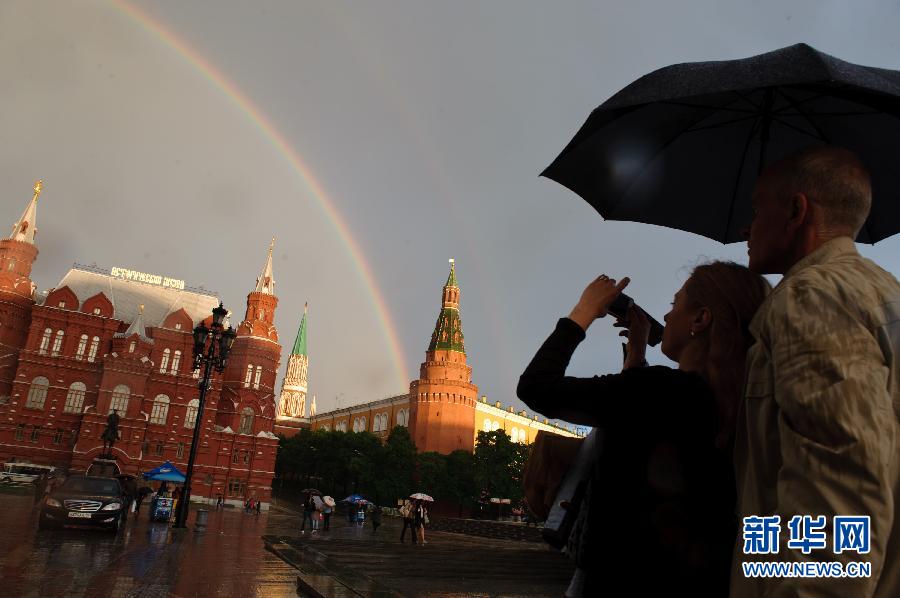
(682, 146)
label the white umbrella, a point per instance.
(328, 501)
(319, 502)
(421, 496)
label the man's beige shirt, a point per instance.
(817, 431)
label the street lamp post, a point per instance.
(211, 347)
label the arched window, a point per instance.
(160, 411)
(190, 417)
(12, 264)
(487, 425)
(132, 346)
(119, 400)
(165, 361)
(376, 421)
(249, 375)
(246, 425)
(95, 344)
(176, 361)
(326, 427)
(37, 393)
(45, 341)
(515, 435)
(495, 426)
(82, 347)
(256, 378)
(75, 398)
(57, 343)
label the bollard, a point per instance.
(200, 523)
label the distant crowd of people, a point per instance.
(317, 515)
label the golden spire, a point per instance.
(142, 309)
(38, 186)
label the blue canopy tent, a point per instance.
(165, 473)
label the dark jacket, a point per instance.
(662, 495)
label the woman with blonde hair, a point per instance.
(659, 510)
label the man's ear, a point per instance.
(798, 210)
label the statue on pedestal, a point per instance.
(110, 433)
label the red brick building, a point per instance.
(120, 339)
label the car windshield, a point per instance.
(91, 486)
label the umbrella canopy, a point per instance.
(682, 146)
(318, 502)
(328, 501)
(164, 473)
(357, 498)
(311, 491)
(421, 496)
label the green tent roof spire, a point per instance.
(300, 343)
(448, 334)
(451, 280)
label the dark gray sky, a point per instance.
(426, 123)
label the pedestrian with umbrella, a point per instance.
(420, 514)
(681, 147)
(309, 508)
(327, 509)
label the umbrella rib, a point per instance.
(804, 114)
(722, 124)
(747, 99)
(737, 179)
(820, 136)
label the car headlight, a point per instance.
(113, 506)
(52, 502)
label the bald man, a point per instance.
(817, 432)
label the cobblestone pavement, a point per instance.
(144, 560)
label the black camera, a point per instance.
(619, 309)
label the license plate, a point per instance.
(80, 515)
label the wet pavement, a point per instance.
(144, 559)
(230, 559)
(352, 561)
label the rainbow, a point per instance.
(218, 80)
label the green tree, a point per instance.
(499, 465)
(461, 487)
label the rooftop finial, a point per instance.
(142, 309)
(38, 186)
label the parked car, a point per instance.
(21, 474)
(84, 501)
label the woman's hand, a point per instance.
(596, 299)
(637, 333)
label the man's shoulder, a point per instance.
(850, 284)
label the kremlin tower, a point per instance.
(292, 404)
(443, 399)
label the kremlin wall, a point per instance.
(120, 339)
